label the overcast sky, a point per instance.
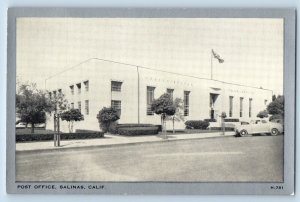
(251, 48)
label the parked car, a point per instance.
(259, 127)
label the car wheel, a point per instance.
(243, 133)
(274, 131)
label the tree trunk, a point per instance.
(32, 128)
(72, 122)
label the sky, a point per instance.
(252, 48)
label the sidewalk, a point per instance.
(112, 140)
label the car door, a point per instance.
(263, 127)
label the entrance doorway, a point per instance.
(212, 102)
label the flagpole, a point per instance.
(211, 65)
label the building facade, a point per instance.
(97, 83)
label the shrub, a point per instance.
(220, 128)
(196, 124)
(63, 136)
(210, 120)
(113, 128)
(133, 131)
(276, 116)
(231, 120)
(106, 116)
(262, 114)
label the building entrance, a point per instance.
(212, 102)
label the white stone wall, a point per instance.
(100, 74)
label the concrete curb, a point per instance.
(119, 145)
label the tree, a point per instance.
(276, 107)
(178, 116)
(71, 116)
(164, 107)
(107, 116)
(31, 105)
(262, 114)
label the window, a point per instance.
(150, 98)
(72, 105)
(79, 87)
(170, 91)
(250, 107)
(86, 107)
(241, 106)
(186, 102)
(230, 105)
(116, 86)
(72, 89)
(79, 106)
(116, 104)
(86, 86)
(266, 102)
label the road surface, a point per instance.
(225, 159)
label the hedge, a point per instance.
(231, 120)
(196, 124)
(220, 128)
(63, 136)
(133, 131)
(210, 120)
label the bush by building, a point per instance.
(196, 124)
(63, 136)
(134, 131)
(231, 120)
(210, 120)
(106, 116)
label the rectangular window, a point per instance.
(116, 104)
(186, 102)
(230, 105)
(116, 86)
(79, 87)
(86, 86)
(250, 107)
(170, 91)
(241, 106)
(79, 106)
(86, 107)
(150, 98)
(72, 89)
(72, 105)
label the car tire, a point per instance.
(274, 131)
(243, 133)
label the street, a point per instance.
(225, 159)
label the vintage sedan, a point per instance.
(259, 127)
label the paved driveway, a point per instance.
(223, 159)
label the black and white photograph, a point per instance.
(149, 100)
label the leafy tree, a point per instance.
(178, 116)
(276, 107)
(71, 116)
(107, 116)
(262, 114)
(164, 107)
(273, 97)
(31, 105)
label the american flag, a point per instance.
(217, 56)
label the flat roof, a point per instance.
(153, 69)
